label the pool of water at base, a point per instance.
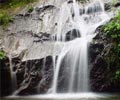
(80, 96)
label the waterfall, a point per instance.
(13, 75)
(71, 72)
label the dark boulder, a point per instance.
(102, 73)
(95, 50)
(70, 1)
(107, 6)
(5, 84)
(117, 4)
(37, 77)
(72, 34)
(42, 9)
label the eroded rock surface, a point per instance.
(102, 72)
(28, 41)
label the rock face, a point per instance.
(70, 35)
(5, 83)
(33, 76)
(102, 74)
(28, 41)
(41, 22)
(36, 76)
(112, 4)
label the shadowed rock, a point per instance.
(42, 9)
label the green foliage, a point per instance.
(2, 54)
(112, 30)
(5, 19)
(11, 7)
(117, 74)
(17, 3)
(114, 2)
(30, 9)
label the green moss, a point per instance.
(30, 9)
(114, 2)
(112, 30)
(5, 19)
(8, 9)
(16, 3)
(117, 74)
(2, 54)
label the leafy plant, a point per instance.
(5, 19)
(11, 7)
(30, 9)
(117, 74)
(114, 2)
(112, 30)
(2, 54)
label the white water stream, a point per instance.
(74, 54)
(71, 69)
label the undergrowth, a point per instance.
(112, 30)
(11, 7)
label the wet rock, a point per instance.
(5, 84)
(97, 71)
(23, 15)
(70, 1)
(36, 76)
(42, 9)
(98, 44)
(27, 14)
(70, 35)
(20, 15)
(95, 50)
(41, 37)
(31, 76)
(102, 72)
(46, 82)
(107, 6)
(117, 4)
(82, 11)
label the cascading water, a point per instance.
(72, 63)
(10, 47)
(75, 28)
(13, 76)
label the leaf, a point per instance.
(2, 54)
(114, 36)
